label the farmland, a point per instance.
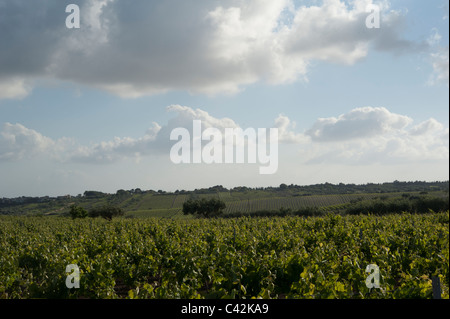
(291, 257)
(141, 204)
(155, 251)
(171, 205)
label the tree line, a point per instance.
(380, 206)
(214, 207)
(106, 211)
(294, 189)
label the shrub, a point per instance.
(206, 208)
(106, 211)
(77, 212)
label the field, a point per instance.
(170, 205)
(291, 202)
(290, 257)
(137, 203)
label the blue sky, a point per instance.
(87, 109)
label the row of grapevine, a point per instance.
(290, 257)
(293, 203)
(234, 205)
(179, 200)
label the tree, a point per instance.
(122, 193)
(204, 207)
(106, 211)
(190, 207)
(77, 212)
(94, 194)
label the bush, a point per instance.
(413, 204)
(206, 208)
(106, 211)
(282, 212)
(77, 212)
(423, 205)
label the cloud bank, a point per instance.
(371, 135)
(362, 136)
(202, 46)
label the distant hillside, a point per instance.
(140, 203)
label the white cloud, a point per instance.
(375, 135)
(207, 47)
(18, 142)
(185, 116)
(427, 127)
(14, 88)
(286, 133)
(118, 148)
(360, 123)
(362, 136)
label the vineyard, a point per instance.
(157, 204)
(293, 203)
(239, 200)
(291, 257)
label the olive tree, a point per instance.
(203, 207)
(106, 211)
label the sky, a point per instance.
(354, 99)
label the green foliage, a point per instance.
(94, 194)
(204, 207)
(410, 204)
(106, 211)
(329, 197)
(289, 257)
(77, 212)
(282, 212)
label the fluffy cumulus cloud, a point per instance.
(427, 127)
(156, 141)
(376, 135)
(362, 136)
(148, 47)
(14, 88)
(18, 142)
(286, 133)
(360, 123)
(118, 148)
(185, 116)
